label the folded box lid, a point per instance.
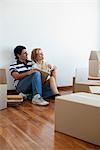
(3, 79)
(81, 98)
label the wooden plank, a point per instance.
(14, 98)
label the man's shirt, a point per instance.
(20, 67)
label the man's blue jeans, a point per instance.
(31, 84)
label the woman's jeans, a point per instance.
(31, 84)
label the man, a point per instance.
(26, 79)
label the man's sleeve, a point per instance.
(12, 69)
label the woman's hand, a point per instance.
(53, 72)
(49, 66)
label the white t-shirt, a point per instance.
(41, 67)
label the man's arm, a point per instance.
(18, 76)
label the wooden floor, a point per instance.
(31, 127)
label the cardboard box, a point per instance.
(3, 89)
(78, 115)
(84, 86)
(3, 76)
(94, 64)
(3, 96)
(82, 81)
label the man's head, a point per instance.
(20, 52)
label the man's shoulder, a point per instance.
(29, 62)
(14, 63)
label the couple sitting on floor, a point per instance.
(35, 78)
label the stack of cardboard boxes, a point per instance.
(4, 98)
(93, 78)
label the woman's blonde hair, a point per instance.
(34, 53)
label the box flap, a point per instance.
(3, 79)
(95, 55)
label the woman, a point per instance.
(48, 72)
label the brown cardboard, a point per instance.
(3, 89)
(84, 86)
(78, 115)
(3, 96)
(3, 76)
(81, 87)
(94, 64)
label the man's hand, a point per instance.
(31, 71)
(18, 76)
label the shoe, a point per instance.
(38, 100)
(53, 96)
(26, 96)
(23, 95)
(57, 95)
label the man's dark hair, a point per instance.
(18, 50)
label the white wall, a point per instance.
(65, 29)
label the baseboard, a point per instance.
(65, 88)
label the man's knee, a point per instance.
(36, 74)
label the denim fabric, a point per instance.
(30, 84)
(47, 92)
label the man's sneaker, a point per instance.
(38, 100)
